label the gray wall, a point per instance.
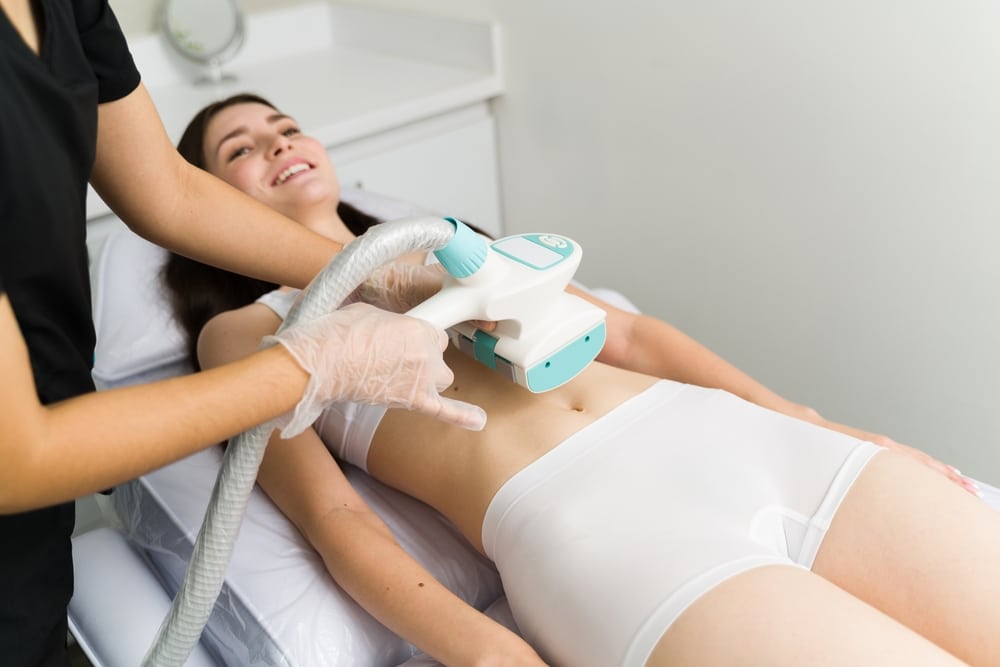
(809, 188)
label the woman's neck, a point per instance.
(326, 222)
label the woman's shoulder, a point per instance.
(235, 334)
(280, 300)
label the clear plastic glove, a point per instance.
(366, 355)
(399, 286)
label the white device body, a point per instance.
(544, 336)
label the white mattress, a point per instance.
(278, 605)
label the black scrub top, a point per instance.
(48, 132)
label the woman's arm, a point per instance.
(359, 551)
(163, 198)
(51, 454)
(648, 345)
(363, 557)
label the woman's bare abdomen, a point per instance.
(457, 471)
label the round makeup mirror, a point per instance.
(209, 32)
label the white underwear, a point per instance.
(605, 540)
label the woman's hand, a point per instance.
(366, 355)
(513, 653)
(951, 472)
(527, 658)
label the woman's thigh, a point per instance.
(923, 551)
(782, 615)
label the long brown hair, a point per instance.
(198, 292)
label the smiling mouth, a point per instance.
(291, 171)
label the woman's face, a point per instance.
(263, 153)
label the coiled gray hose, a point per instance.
(193, 604)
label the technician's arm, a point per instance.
(54, 453)
(161, 197)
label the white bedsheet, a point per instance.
(279, 606)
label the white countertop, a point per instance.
(344, 72)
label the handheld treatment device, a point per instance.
(544, 337)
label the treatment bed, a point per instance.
(278, 605)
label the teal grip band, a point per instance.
(484, 349)
(465, 252)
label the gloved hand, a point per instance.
(366, 355)
(399, 286)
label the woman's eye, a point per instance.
(242, 150)
(291, 131)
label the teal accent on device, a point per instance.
(543, 336)
(565, 364)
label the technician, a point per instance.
(72, 108)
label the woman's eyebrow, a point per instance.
(242, 129)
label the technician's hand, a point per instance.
(366, 355)
(398, 287)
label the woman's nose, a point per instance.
(280, 144)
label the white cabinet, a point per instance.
(447, 165)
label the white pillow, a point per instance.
(137, 336)
(138, 339)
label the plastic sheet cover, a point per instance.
(279, 605)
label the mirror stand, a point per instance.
(208, 32)
(215, 74)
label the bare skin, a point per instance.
(458, 473)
